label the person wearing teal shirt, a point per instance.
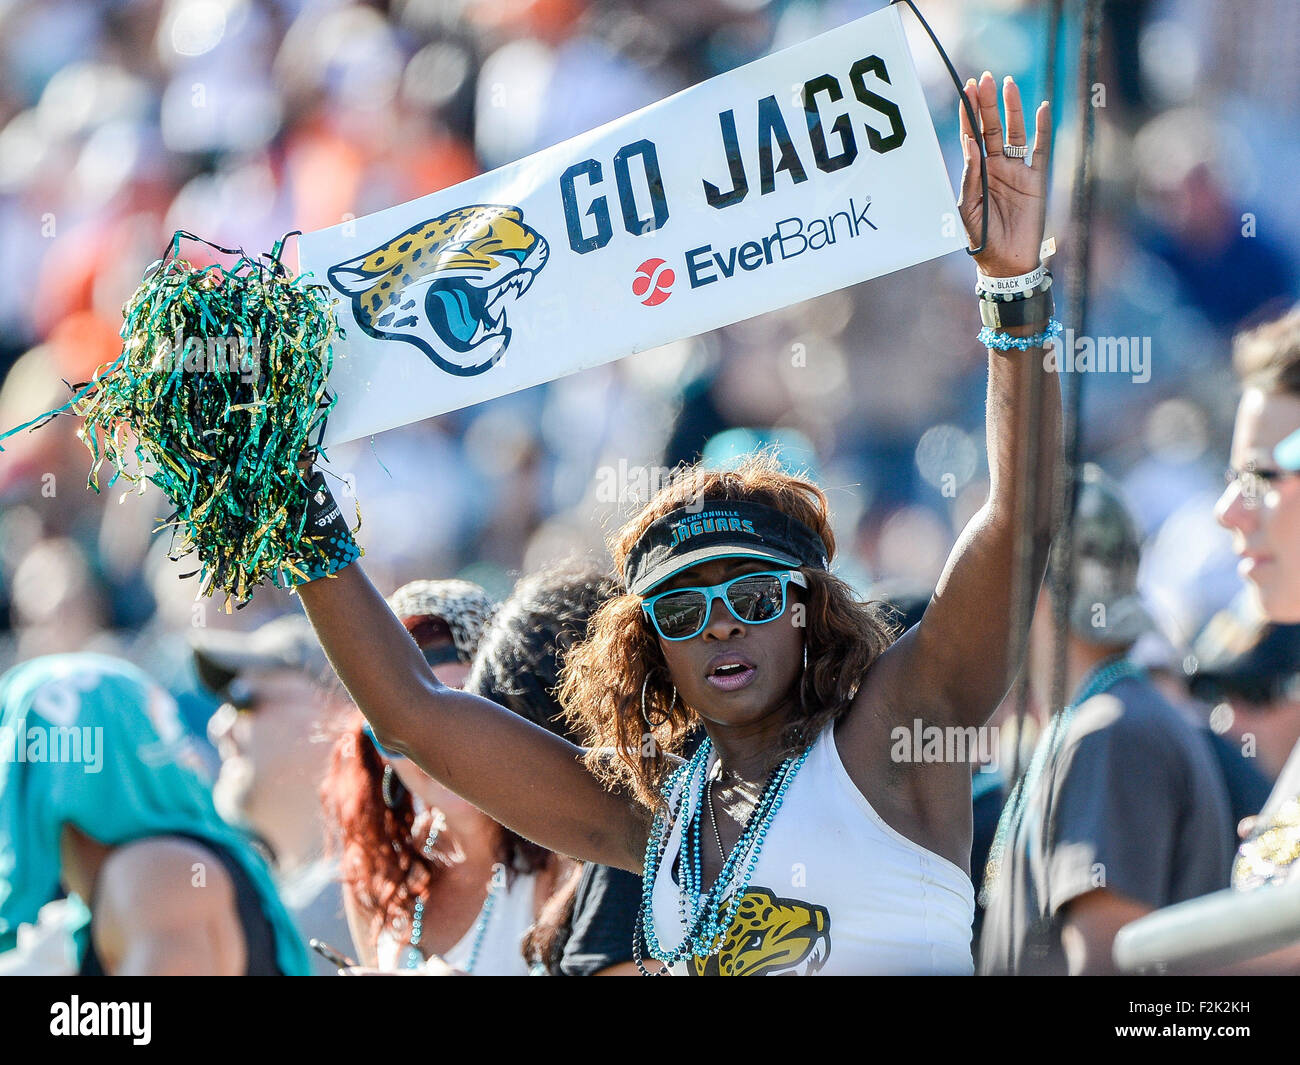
(99, 800)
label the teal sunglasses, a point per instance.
(384, 752)
(754, 598)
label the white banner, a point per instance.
(803, 172)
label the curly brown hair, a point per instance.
(602, 680)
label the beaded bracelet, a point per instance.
(992, 338)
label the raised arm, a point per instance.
(961, 658)
(521, 775)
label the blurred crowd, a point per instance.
(239, 120)
(122, 121)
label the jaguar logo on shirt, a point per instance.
(771, 936)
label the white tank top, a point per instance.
(501, 952)
(836, 891)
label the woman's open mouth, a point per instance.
(732, 676)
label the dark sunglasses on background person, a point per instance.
(752, 598)
(441, 654)
(241, 695)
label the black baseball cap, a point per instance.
(1258, 663)
(720, 528)
(288, 642)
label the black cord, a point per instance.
(970, 115)
(1026, 588)
(1055, 14)
(273, 257)
(1068, 490)
(278, 249)
(1081, 246)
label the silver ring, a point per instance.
(1015, 151)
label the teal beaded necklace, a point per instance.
(705, 915)
(415, 956)
(1101, 678)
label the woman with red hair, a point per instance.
(428, 879)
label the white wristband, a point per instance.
(1025, 283)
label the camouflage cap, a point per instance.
(463, 605)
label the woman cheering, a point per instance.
(791, 841)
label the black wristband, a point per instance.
(1000, 314)
(326, 529)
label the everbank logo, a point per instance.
(653, 282)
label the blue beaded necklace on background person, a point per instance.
(705, 916)
(1101, 678)
(414, 957)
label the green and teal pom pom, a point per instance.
(219, 393)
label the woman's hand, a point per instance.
(433, 966)
(436, 966)
(1017, 204)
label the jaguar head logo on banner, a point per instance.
(445, 284)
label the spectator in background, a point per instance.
(430, 882)
(279, 699)
(119, 819)
(1227, 267)
(1123, 809)
(1247, 787)
(586, 928)
(1261, 506)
